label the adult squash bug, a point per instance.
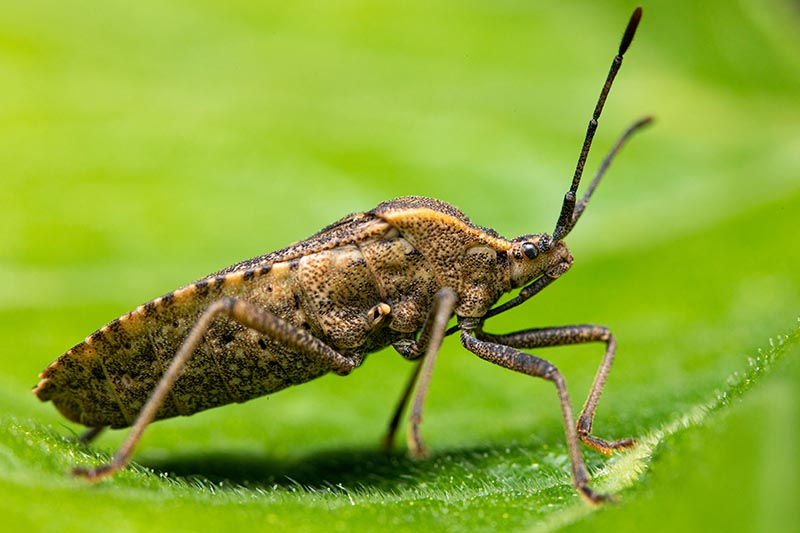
(393, 276)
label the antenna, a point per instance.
(569, 214)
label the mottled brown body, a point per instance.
(361, 284)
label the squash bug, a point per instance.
(393, 276)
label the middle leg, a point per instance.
(428, 343)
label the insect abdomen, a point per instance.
(105, 380)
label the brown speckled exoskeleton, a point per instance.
(393, 276)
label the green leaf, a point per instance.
(143, 145)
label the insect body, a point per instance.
(364, 283)
(392, 276)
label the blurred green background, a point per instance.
(143, 145)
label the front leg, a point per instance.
(563, 335)
(513, 359)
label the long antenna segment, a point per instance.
(569, 215)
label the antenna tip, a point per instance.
(627, 37)
(636, 126)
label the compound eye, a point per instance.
(530, 250)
